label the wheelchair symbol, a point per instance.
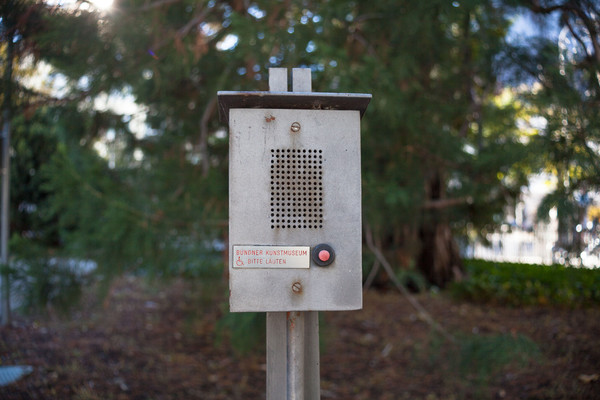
(239, 262)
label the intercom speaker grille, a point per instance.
(296, 188)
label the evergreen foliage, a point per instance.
(35, 140)
(146, 191)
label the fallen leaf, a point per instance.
(588, 378)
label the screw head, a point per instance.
(297, 287)
(295, 127)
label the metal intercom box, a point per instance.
(295, 209)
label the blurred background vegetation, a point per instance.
(118, 160)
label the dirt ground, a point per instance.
(158, 342)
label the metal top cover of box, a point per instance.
(294, 201)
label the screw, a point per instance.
(295, 127)
(297, 287)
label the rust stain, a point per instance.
(291, 319)
(269, 118)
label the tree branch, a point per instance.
(203, 140)
(184, 30)
(411, 299)
(578, 38)
(570, 7)
(591, 30)
(447, 203)
(539, 9)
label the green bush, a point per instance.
(526, 284)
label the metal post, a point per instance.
(5, 198)
(4, 225)
(276, 355)
(295, 355)
(292, 337)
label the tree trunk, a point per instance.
(439, 257)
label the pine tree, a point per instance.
(434, 138)
(441, 154)
(566, 75)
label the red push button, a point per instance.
(324, 255)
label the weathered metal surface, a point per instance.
(278, 80)
(278, 368)
(291, 100)
(296, 189)
(301, 80)
(312, 372)
(295, 354)
(277, 355)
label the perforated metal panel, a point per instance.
(294, 184)
(296, 188)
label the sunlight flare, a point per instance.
(102, 5)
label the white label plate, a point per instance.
(271, 256)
